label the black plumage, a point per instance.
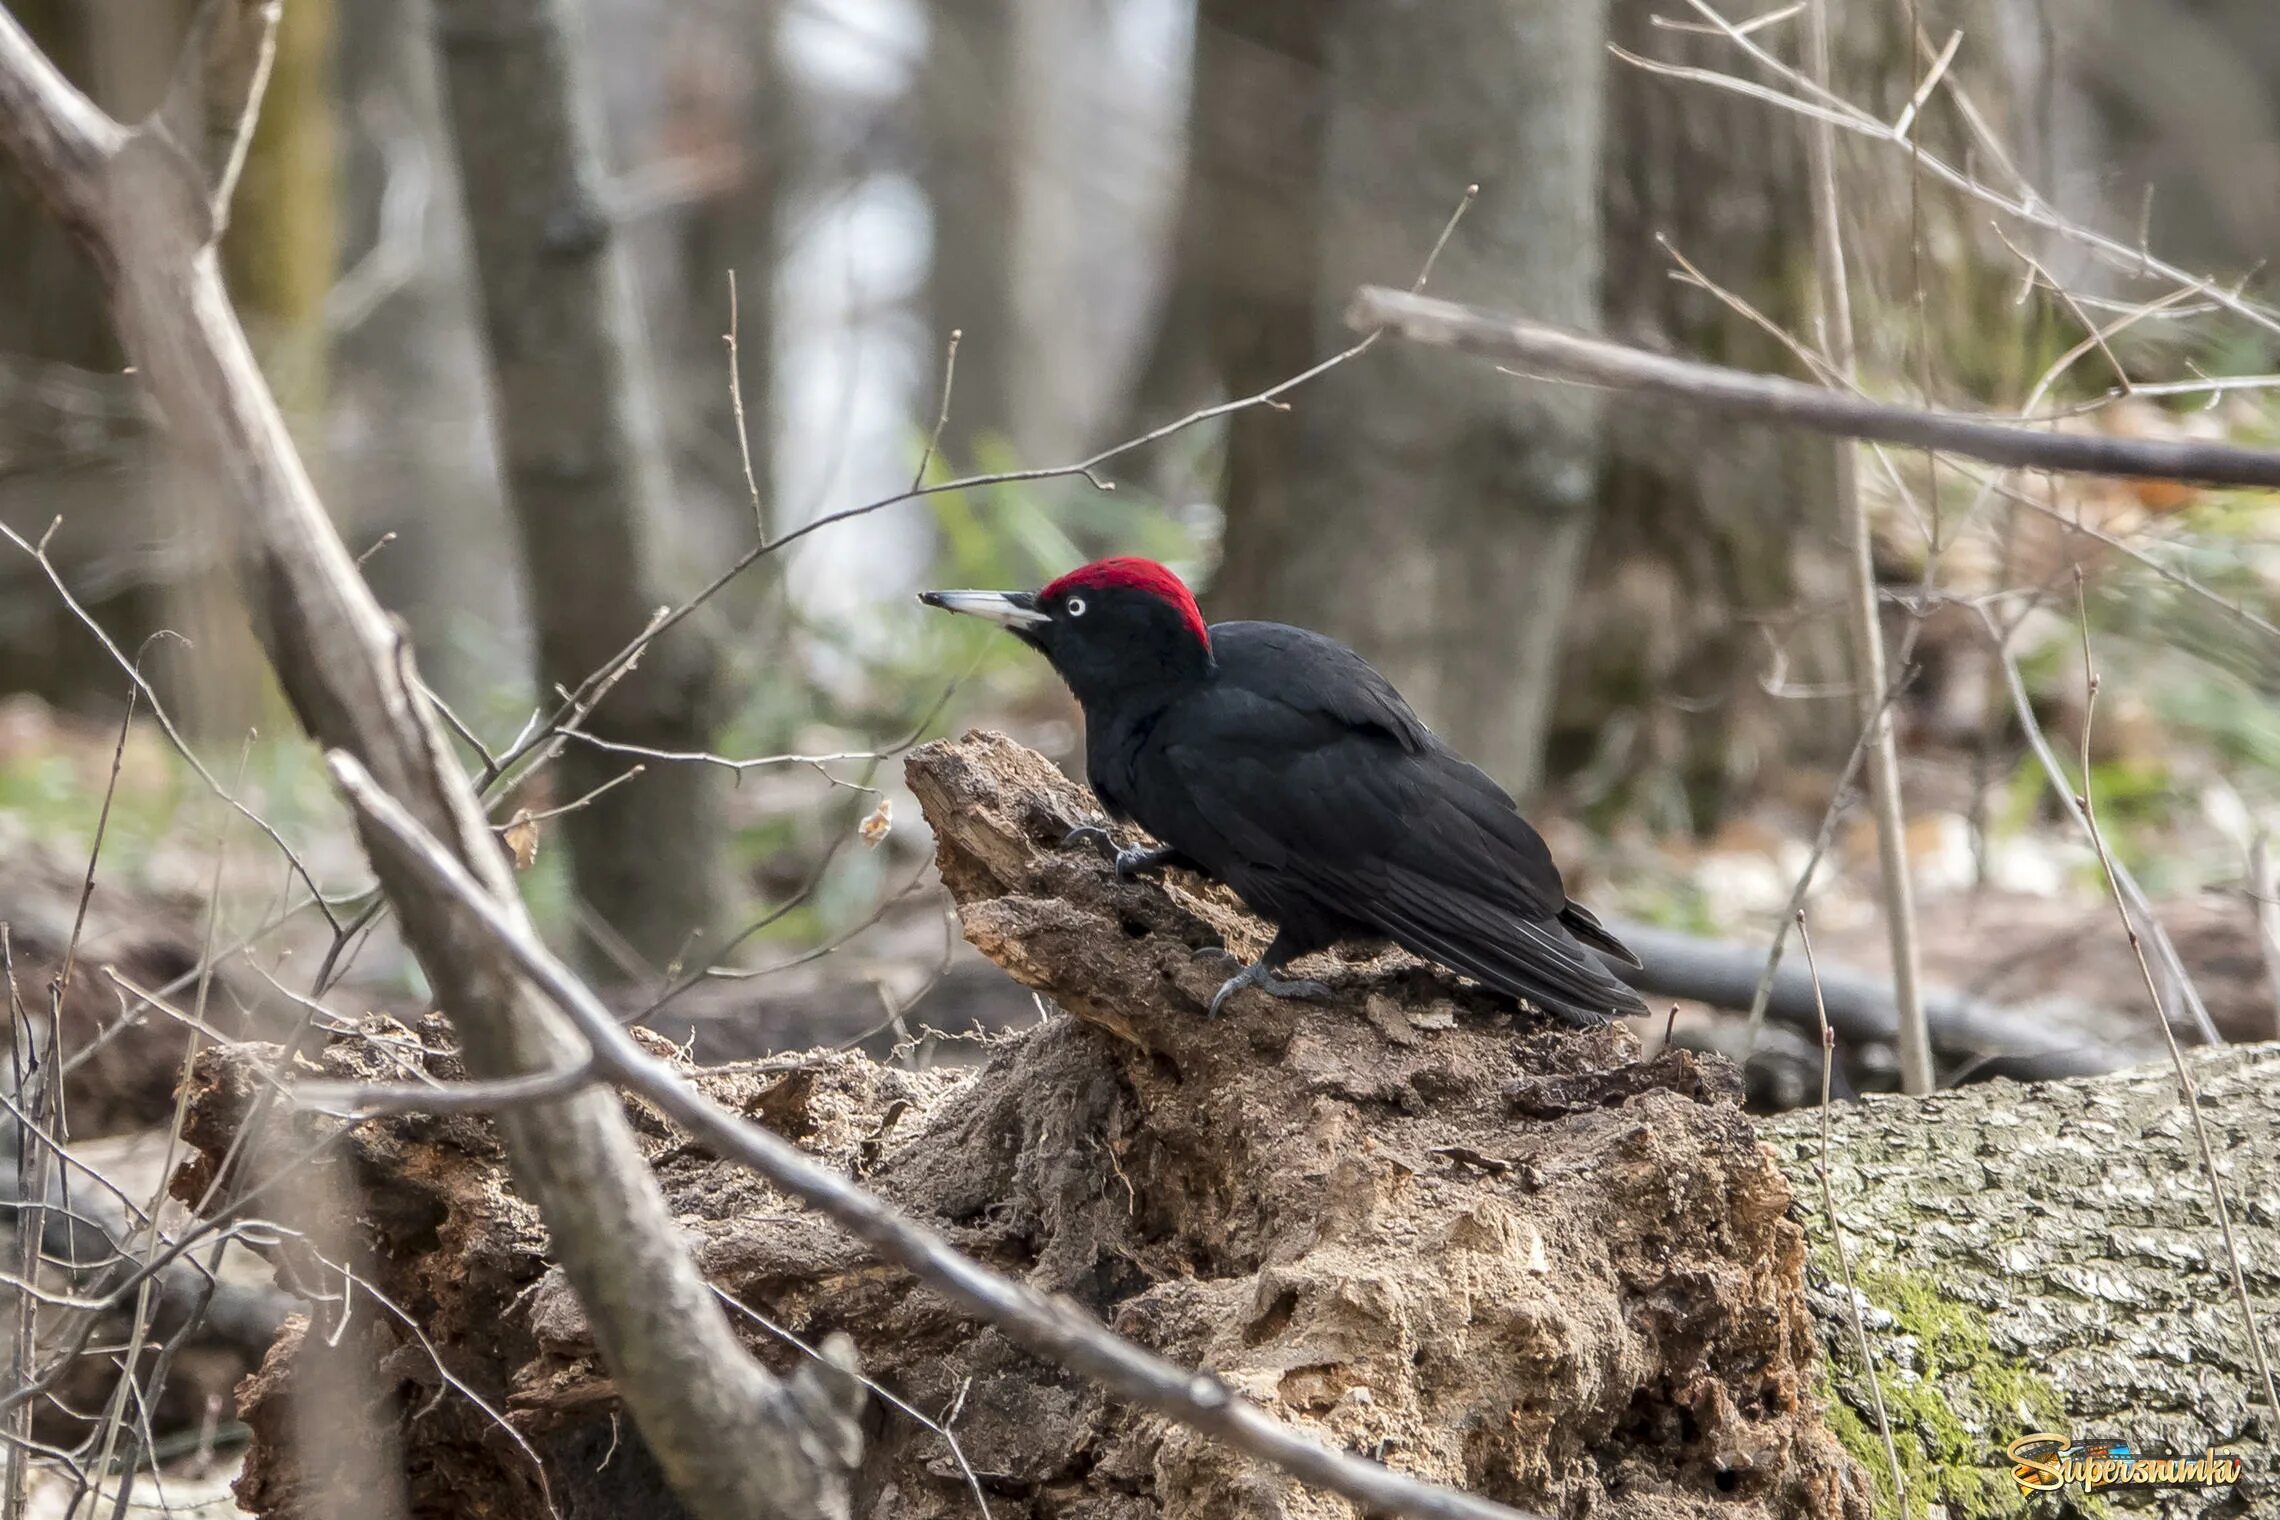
(1281, 763)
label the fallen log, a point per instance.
(2045, 1259)
(1493, 1253)
(1967, 1032)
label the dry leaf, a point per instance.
(877, 823)
(521, 835)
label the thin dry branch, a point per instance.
(216, 93)
(2188, 1091)
(1816, 102)
(1836, 1228)
(1554, 352)
(545, 729)
(1867, 630)
(2125, 882)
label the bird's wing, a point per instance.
(1418, 845)
(1312, 673)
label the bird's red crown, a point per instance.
(1139, 574)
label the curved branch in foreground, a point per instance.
(733, 1440)
(1541, 349)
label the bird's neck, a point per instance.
(1136, 702)
(1106, 689)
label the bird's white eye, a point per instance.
(1075, 606)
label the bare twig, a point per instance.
(1816, 102)
(2188, 1091)
(942, 413)
(365, 1100)
(1836, 1226)
(2141, 911)
(31, 1183)
(1914, 1042)
(1823, 837)
(572, 806)
(216, 92)
(736, 409)
(2264, 904)
(727, 762)
(1926, 85)
(1088, 469)
(885, 1394)
(1552, 351)
(132, 665)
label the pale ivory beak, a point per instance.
(1007, 609)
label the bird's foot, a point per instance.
(1259, 975)
(1090, 834)
(1129, 863)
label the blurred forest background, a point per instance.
(1122, 212)
(584, 309)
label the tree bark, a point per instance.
(1436, 522)
(1498, 1256)
(1239, 306)
(2044, 1258)
(743, 114)
(968, 113)
(410, 404)
(1562, 1275)
(1706, 642)
(585, 476)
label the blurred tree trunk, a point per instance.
(732, 115)
(77, 443)
(1438, 516)
(1239, 307)
(1710, 534)
(2183, 97)
(585, 474)
(1708, 640)
(1433, 517)
(410, 406)
(968, 87)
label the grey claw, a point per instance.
(1130, 863)
(1257, 975)
(1092, 834)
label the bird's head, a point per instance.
(1111, 627)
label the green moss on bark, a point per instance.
(1953, 1400)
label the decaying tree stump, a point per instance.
(1492, 1252)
